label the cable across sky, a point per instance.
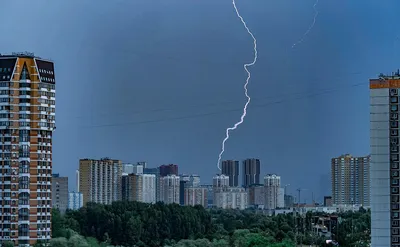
(245, 85)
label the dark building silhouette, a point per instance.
(230, 168)
(251, 172)
(170, 169)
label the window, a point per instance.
(394, 124)
(395, 215)
(395, 181)
(395, 222)
(394, 116)
(394, 157)
(395, 174)
(394, 99)
(394, 149)
(394, 132)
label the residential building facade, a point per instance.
(256, 194)
(27, 122)
(139, 187)
(231, 198)
(350, 180)
(75, 200)
(251, 172)
(384, 164)
(59, 195)
(272, 184)
(169, 189)
(100, 180)
(195, 196)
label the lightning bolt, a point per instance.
(245, 85)
(311, 27)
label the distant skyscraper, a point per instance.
(100, 180)
(251, 172)
(169, 189)
(281, 198)
(75, 200)
(193, 179)
(60, 192)
(127, 168)
(220, 181)
(27, 122)
(139, 187)
(231, 168)
(350, 180)
(155, 171)
(170, 169)
(272, 184)
(385, 168)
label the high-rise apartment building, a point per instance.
(256, 193)
(195, 196)
(350, 180)
(155, 171)
(192, 180)
(230, 168)
(169, 189)
(220, 181)
(384, 167)
(75, 200)
(59, 195)
(170, 169)
(139, 187)
(251, 172)
(272, 184)
(231, 198)
(27, 122)
(100, 180)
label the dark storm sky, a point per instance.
(128, 70)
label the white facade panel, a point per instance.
(382, 92)
(380, 101)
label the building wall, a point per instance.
(75, 200)
(350, 180)
(251, 172)
(281, 198)
(382, 164)
(272, 184)
(60, 193)
(170, 169)
(195, 196)
(100, 180)
(231, 198)
(256, 195)
(27, 122)
(169, 189)
(230, 168)
(155, 171)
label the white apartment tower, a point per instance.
(100, 180)
(169, 189)
(231, 198)
(195, 196)
(384, 164)
(272, 184)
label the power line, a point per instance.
(225, 111)
(210, 104)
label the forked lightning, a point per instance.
(245, 85)
(311, 27)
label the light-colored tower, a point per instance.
(100, 180)
(77, 180)
(350, 180)
(169, 189)
(220, 181)
(384, 164)
(251, 172)
(272, 183)
(27, 122)
(59, 193)
(75, 200)
(195, 196)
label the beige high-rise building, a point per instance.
(350, 180)
(100, 180)
(27, 122)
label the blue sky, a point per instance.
(122, 63)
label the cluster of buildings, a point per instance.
(107, 180)
(28, 189)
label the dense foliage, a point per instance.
(145, 225)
